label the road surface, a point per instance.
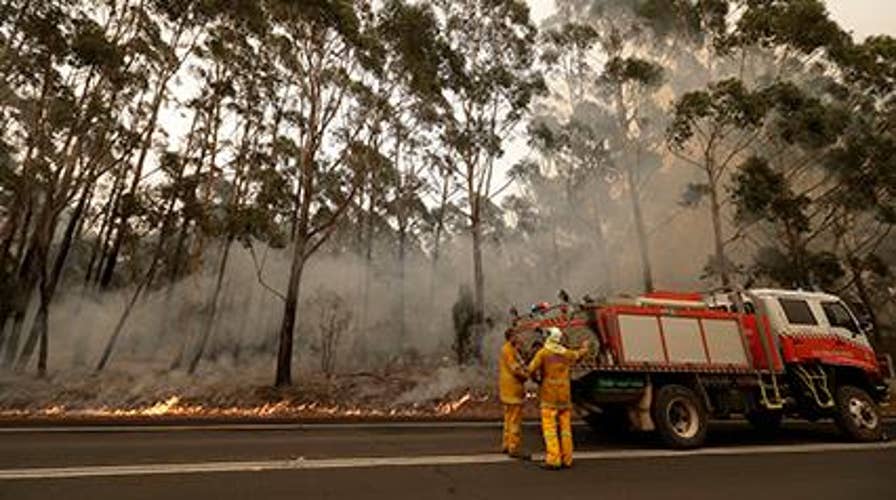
(430, 461)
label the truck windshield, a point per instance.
(839, 317)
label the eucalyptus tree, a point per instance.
(184, 24)
(490, 88)
(326, 57)
(606, 66)
(710, 130)
(570, 189)
(169, 31)
(405, 103)
(250, 87)
(764, 118)
(71, 75)
(864, 162)
(571, 132)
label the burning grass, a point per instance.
(443, 394)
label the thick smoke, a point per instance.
(519, 270)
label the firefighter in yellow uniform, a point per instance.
(551, 366)
(511, 379)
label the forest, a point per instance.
(271, 191)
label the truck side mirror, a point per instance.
(866, 328)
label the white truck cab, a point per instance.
(800, 312)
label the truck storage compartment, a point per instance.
(656, 337)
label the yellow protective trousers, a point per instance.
(513, 421)
(558, 446)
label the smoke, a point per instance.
(383, 336)
(443, 381)
(520, 270)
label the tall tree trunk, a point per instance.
(122, 226)
(30, 272)
(119, 327)
(402, 270)
(437, 243)
(8, 234)
(368, 253)
(641, 232)
(21, 248)
(716, 212)
(603, 252)
(284, 352)
(555, 257)
(43, 317)
(101, 244)
(305, 194)
(213, 309)
(4, 318)
(49, 283)
(11, 346)
(479, 284)
(177, 257)
(401, 215)
(150, 272)
(622, 116)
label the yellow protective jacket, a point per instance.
(511, 376)
(552, 367)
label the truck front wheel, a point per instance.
(679, 416)
(856, 415)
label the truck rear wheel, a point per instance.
(856, 414)
(679, 416)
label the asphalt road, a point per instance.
(430, 462)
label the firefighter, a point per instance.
(551, 365)
(511, 380)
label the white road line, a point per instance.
(356, 463)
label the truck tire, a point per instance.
(856, 414)
(680, 417)
(764, 420)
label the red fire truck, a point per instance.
(668, 362)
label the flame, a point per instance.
(452, 406)
(478, 403)
(175, 406)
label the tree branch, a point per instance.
(259, 275)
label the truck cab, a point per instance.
(810, 327)
(794, 313)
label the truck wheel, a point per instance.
(679, 416)
(856, 415)
(764, 420)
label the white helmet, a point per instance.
(555, 336)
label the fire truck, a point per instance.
(669, 362)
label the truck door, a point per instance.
(842, 323)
